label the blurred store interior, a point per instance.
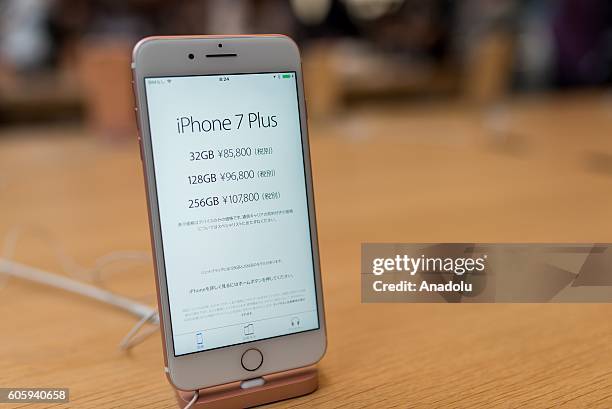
(67, 61)
(514, 95)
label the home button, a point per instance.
(252, 359)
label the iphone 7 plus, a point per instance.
(224, 146)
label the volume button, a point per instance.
(140, 149)
(136, 118)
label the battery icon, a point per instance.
(286, 75)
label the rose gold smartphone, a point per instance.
(224, 146)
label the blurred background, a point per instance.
(66, 60)
(430, 121)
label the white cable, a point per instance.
(15, 269)
(69, 264)
(9, 268)
(15, 234)
(95, 273)
(193, 400)
(131, 340)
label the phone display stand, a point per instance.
(270, 388)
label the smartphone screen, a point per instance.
(231, 190)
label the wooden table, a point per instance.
(530, 170)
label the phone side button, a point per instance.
(140, 146)
(136, 118)
(252, 359)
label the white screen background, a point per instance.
(261, 250)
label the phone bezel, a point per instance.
(168, 56)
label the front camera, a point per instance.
(191, 56)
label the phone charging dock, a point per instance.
(253, 392)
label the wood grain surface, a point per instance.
(531, 170)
